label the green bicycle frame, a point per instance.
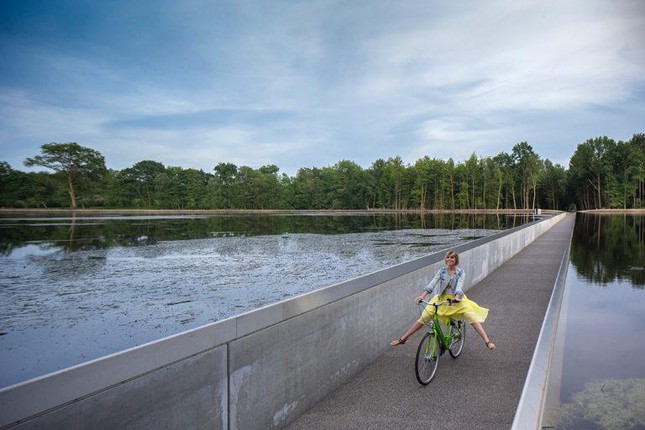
(438, 332)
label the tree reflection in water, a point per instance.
(73, 233)
(602, 376)
(608, 248)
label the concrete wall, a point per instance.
(258, 370)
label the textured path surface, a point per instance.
(481, 389)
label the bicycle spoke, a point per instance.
(427, 358)
(458, 339)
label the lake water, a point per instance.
(75, 289)
(601, 369)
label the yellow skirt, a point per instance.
(466, 310)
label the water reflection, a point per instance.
(74, 233)
(598, 381)
(608, 248)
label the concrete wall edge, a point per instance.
(529, 410)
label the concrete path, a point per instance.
(480, 389)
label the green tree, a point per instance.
(268, 187)
(496, 180)
(529, 166)
(553, 184)
(578, 176)
(224, 186)
(472, 179)
(508, 168)
(492, 183)
(7, 178)
(637, 143)
(398, 176)
(626, 162)
(246, 184)
(350, 186)
(462, 186)
(179, 188)
(307, 190)
(76, 164)
(380, 184)
(287, 192)
(601, 168)
(427, 182)
(591, 172)
(113, 190)
(139, 182)
(450, 173)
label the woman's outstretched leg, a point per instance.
(400, 341)
(482, 333)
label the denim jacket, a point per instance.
(441, 281)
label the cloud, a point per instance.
(533, 57)
(44, 122)
(301, 84)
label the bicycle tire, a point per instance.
(427, 359)
(457, 346)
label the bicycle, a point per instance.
(435, 343)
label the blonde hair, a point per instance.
(450, 254)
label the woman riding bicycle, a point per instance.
(449, 282)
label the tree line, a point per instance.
(602, 173)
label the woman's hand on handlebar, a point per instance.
(419, 299)
(456, 299)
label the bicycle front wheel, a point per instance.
(427, 358)
(457, 339)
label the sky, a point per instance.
(308, 83)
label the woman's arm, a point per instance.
(429, 289)
(422, 296)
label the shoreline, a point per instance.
(304, 212)
(4, 211)
(615, 211)
(311, 212)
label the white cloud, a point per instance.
(538, 57)
(352, 82)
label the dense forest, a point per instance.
(602, 173)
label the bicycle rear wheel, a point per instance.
(427, 358)
(458, 339)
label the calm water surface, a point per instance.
(602, 364)
(74, 289)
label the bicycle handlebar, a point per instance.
(448, 302)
